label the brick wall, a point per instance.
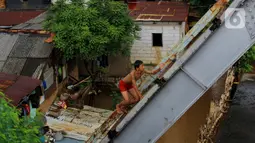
(142, 49)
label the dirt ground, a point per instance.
(238, 126)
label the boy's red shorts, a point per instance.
(124, 87)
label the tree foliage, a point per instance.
(245, 62)
(14, 129)
(91, 29)
(202, 6)
(116, 98)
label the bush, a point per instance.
(244, 64)
(14, 129)
(116, 99)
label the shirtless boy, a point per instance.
(128, 85)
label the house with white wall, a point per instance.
(162, 25)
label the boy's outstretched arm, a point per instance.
(161, 66)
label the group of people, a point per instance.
(128, 86)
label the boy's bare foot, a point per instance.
(124, 109)
(119, 111)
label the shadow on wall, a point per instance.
(119, 66)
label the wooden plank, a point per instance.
(100, 133)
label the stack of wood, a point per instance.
(207, 131)
(2, 4)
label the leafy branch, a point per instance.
(15, 129)
(93, 29)
(245, 62)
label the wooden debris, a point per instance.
(79, 123)
(2, 4)
(207, 131)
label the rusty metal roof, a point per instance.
(16, 87)
(12, 18)
(32, 24)
(164, 11)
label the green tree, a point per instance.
(244, 64)
(202, 6)
(91, 29)
(14, 129)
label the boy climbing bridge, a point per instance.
(128, 86)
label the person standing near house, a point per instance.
(127, 85)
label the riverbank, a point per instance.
(238, 125)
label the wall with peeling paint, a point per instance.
(186, 129)
(142, 49)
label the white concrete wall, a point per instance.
(142, 49)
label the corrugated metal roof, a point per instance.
(79, 123)
(16, 17)
(34, 23)
(14, 65)
(30, 4)
(31, 46)
(164, 11)
(16, 49)
(1, 64)
(16, 87)
(7, 42)
(39, 19)
(23, 46)
(41, 49)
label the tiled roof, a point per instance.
(11, 18)
(160, 11)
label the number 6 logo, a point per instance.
(235, 21)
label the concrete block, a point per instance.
(137, 48)
(163, 53)
(147, 38)
(177, 34)
(147, 51)
(167, 28)
(147, 42)
(149, 59)
(144, 55)
(167, 43)
(135, 54)
(153, 55)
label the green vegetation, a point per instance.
(93, 29)
(116, 98)
(202, 6)
(245, 62)
(14, 129)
